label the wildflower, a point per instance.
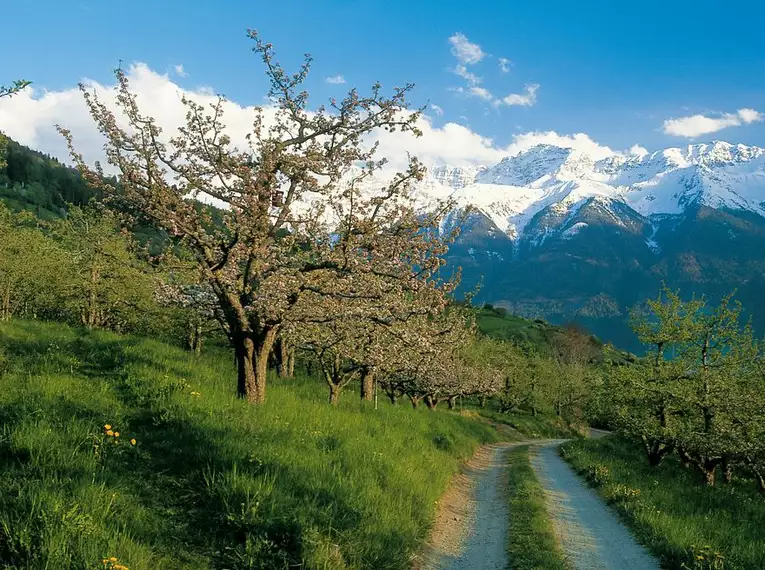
(133, 441)
(116, 434)
(108, 426)
(109, 432)
(113, 559)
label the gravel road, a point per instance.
(471, 527)
(590, 534)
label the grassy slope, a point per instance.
(212, 482)
(532, 544)
(671, 511)
(496, 323)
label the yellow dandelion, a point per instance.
(109, 432)
(133, 441)
(116, 434)
(108, 426)
(113, 559)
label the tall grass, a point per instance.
(211, 482)
(685, 523)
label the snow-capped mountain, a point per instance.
(556, 233)
(511, 193)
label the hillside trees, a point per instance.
(9, 91)
(274, 240)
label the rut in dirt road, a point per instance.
(591, 536)
(471, 528)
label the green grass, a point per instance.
(213, 482)
(527, 426)
(501, 325)
(669, 509)
(532, 544)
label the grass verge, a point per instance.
(211, 482)
(683, 522)
(532, 544)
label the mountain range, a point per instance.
(560, 234)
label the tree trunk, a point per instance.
(195, 336)
(92, 310)
(6, 315)
(252, 363)
(709, 475)
(367, 384)
(244, 349)
(261, 365)
(727, 468)
(483, 401)
(685, 457)
(760, 477)
(431, 402)
(392, 396)
(708, 468)
(284, 357)
(452, 402)
(656, 451)
(415, 400)
(291, 364)
(334, 394)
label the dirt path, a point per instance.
(470, 531)
(590, 534)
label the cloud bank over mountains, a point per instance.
(31, 116)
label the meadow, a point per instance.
(123, 452)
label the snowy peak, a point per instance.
(456, 177)
(551, 178)
(527, 168)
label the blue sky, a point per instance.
(615, 71)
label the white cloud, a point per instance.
(577, 141)
(504, 64)
(464, 50)
(481, 93)
(436, 109)
(30, 117)
(750, 115)
(179, 71)
(637, 150)
(470, 77)
(698, 125)
(335, 80)
(527, 99)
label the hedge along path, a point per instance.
(590, 534)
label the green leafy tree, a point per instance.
(30, 267)
(107, 286)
